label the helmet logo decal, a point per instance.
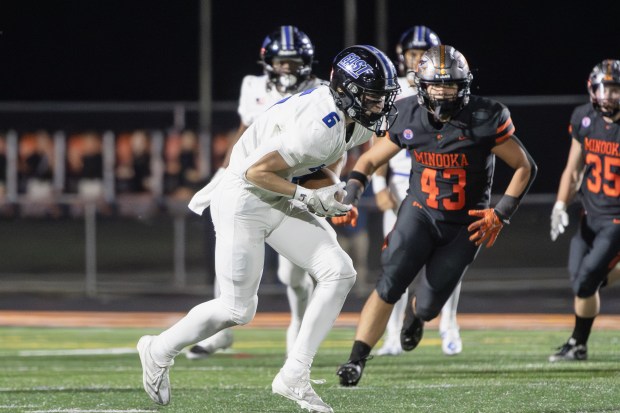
(408, 134)
(354, 65)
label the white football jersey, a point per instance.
(405, 88)
(256, 96)
(307, 129)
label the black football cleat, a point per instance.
(413, 329)
(350, 372)
(570, 351)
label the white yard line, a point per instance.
(76, 352)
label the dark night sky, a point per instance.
(148, 50)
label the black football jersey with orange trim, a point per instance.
(600, 143)
(452, 167)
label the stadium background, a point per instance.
(75, 66)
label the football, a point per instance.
(319, 179)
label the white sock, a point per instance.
(395, 323)
(298, 298)
(448, 312)
(323, 309)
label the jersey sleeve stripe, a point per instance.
(504, 125)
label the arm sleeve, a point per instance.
(505, 128)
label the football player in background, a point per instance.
(251, 205)
(453, 138)
(593, 169)
(286, 56)
(390, 183)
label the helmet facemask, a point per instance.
(373, 109)
(605, 98)
(287, 74)
(443, 106)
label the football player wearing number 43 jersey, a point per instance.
(595, 248)
(453, 139)
(251, 205)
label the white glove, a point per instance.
(559, 219)
(324, 201)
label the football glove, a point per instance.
(349, 218)
(486, 228)
(559, 220)
(324, 201)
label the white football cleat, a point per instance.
(155, 378)
(451, 343)
(217, 342)
(391, 347)
(299, 390)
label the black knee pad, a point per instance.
(426, 312)
(585, 289)
(389, 293)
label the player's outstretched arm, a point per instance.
(492, 220)
(569, 184)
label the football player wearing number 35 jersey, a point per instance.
(251, 205)
(595, 248)
(453, 139)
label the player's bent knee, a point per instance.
(389, 292)
(427, 313)
(585, 290)
(245, 314)
(335, 265)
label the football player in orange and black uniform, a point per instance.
(595, 248)
(453, 139)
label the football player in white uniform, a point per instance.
(252, 205)
(286, 56)
(389, 195)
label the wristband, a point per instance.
(379, 183)
(354, 192)
(560, 205)
(302, 194)
(506, 207)
(360, 177)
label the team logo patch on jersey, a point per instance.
(354, 65)
(586, 121)
(408, 134)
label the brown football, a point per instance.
(319, 179)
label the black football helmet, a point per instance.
(417, 37)
(290, 43)
(443, 65)
(604, 87)
(362, 78)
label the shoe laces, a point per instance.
(161, 372)
(570, 345)
(303, 387)
(361, 362)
